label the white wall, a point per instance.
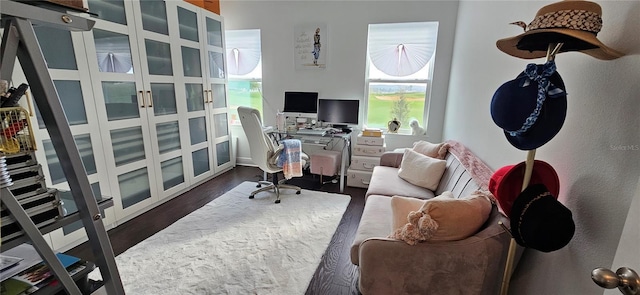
(598, 179)
(345, 44)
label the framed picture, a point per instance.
(310, 46)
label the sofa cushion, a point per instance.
(375, 222)
(385, 181)
(434, 150)
(402, 206)
(421, 170)
(458, 218)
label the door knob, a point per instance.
(626, 279)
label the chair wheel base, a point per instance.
(259, 185)
(298, 192)
(277, 201)
(251, 197)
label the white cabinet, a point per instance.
(66, 59)
(145, 94)
(203, 76)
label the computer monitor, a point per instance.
(338, 112)
(300, 104)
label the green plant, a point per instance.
(400, 109)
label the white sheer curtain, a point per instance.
(402, 49)
(243, 51)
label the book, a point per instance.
(373, 132)
(39, 275)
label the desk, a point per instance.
(322, 140)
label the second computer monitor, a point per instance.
(338, 112)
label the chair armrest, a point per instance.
(391, 159)
(471, 266)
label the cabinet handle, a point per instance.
(150, 98)
(141, 97)
(210, 96)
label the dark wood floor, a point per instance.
(335, 274)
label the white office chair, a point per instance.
(264, 152)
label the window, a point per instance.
(399, 72)
(244, 61)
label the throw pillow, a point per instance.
(434, 150)
(421, 170)
(402, 206)
(445, 219)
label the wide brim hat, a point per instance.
(506, 183)
(573, 23)
(514, 102)
(539, 221)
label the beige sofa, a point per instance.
(474, 265)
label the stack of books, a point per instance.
(29, 275)
(372, 132)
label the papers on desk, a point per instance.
(29, 255)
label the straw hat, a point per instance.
(573, 23)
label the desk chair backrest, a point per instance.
(261, 146)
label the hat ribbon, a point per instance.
(581, 20)
(524, 211)
(544, 87)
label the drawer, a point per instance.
(368, 140)
(364, 163)
(358, 178)
(369, 150)
(20, 160)
(43, 209)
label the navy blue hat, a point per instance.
(539, 221)
(531, 108)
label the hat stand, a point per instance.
(552, 50)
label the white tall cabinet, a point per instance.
(152, 81)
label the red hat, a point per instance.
(506, 183)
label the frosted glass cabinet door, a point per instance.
(216, 65)
(158, 58)
(191, 64)
(134, 187)
(214, 32)
(195, 97)
(188, 21)
(110, 10)
(168, 137)
(57, 48)
(154, 17)
(164, 99)
(113, 52)
(219, 94)
(121, 100)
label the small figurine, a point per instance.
(416, 129)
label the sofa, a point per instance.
(473, 265)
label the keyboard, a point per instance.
(318, 132)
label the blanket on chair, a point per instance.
(290, 159)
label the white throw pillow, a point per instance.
(434, 150)
(421, 170)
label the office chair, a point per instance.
(264, 152)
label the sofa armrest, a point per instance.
(471, 266)
(391, 159)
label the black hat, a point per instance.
(539, 221)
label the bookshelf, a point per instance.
(19, 41)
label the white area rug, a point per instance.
(235, 245)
